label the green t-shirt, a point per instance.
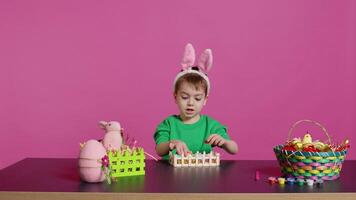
(193, 135)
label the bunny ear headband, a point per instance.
(204, 64)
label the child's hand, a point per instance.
(180, 146)
(215, 140)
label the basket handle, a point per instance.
(310, 121)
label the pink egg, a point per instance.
(90, 162)
(91, 175)
(92, 149)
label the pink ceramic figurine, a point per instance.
(113, 138)
(90, 157)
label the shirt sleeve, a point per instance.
(220, 129)
(162, 132)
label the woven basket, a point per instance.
(310, 165)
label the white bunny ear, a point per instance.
(188, 56)
(206, 60)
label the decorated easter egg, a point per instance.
(90, 162)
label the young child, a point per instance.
(190, 131)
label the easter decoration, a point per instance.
(90, 161)
(310, 161)
(115, 156)
(113, 137)
(195, 160)
(127, 162)
(122, 160)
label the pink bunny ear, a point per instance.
(188, 56)
(206, 60)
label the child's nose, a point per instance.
(190, 102)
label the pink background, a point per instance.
(65, 65)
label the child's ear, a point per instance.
(205, 100)
(175, 97)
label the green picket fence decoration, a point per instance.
(127, 162)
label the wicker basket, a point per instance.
(310, 165)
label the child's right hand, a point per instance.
(180, 146)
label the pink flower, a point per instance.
(105, 161)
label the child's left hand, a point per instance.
(215, 140)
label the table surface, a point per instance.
(61, 175)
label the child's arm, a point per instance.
(229, 146)
(164, 148)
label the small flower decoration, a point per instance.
(105, 161)
(105, 166)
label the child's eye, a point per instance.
(197, 99)
(184, 97)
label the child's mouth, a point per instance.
(189, 110)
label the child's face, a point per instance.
(190, 101)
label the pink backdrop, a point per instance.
(65, 65)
